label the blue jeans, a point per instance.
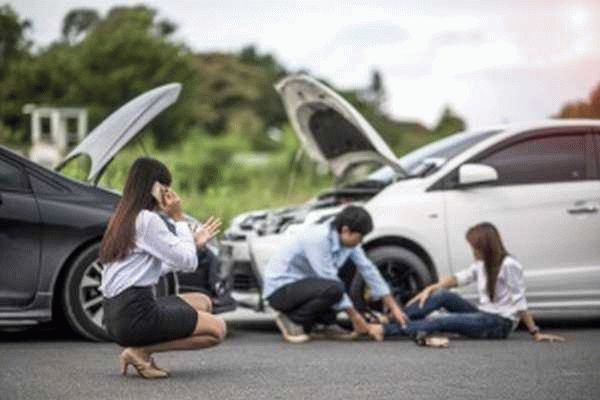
(462, 318)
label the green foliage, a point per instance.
(236, 95)
(103, 62)
(223, 176)
(121, 56)
(215, 139)
(78, 22)
(220, 176)
(449, 123)
(13, 42)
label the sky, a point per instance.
(492, 61)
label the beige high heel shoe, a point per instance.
(143, 367)
(153, 363)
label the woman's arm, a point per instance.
(177, 252)
(533, 329)
(445, 283)
(461, 278)
(515, 281)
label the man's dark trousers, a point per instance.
(308, 301)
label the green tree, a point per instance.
(449, 123)
(237, 96)
(122, 55)
(13, 41)
(268, 104)
(77, 22)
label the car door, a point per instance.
(20, 229)
(545, 205)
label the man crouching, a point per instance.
(302, 282)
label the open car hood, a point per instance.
(120, 127)
(330, 129)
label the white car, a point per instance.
(539, 183)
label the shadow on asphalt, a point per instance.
(59, 333)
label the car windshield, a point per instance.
(431, 157)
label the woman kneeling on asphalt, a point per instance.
(136, 250)
(502, 302)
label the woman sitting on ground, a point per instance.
(502, 302)
(137, 248)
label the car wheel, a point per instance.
(405, 272)
(82, 299)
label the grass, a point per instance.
(222, 176)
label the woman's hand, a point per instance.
(445, 283)
(527, 319)
(421, 297)
(208, 231)
(172, 205)
(541, 337)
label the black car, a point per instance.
(51, 227)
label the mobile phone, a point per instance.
(158, 190)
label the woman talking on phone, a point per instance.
(136, 250)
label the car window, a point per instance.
(42, 186)
(443, 149)
(556, 158)
(446, 149)
(11, 177)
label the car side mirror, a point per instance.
(474, 174)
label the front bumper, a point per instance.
(246, 289)
(235, 250)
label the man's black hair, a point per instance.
(357, 219)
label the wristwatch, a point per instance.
(535, 331)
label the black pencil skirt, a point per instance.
(136, 318)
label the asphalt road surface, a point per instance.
(254, 363)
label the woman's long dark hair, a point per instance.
(485, 238)
(119, 238)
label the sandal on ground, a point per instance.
(432, 341)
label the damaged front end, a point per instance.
(244, 279)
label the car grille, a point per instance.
(243, 277)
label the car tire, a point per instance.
(82, 299)
(405, 272)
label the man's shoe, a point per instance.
(330, 332)
(291, 331)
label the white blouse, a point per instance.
(510, 288)
(157, 251)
